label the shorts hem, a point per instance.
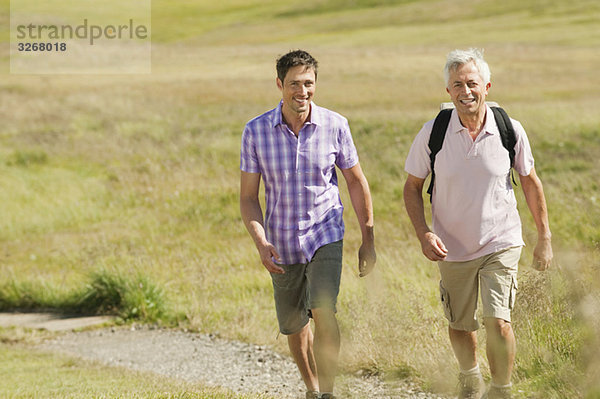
(323, 306)
(504, 315)
(294, 331)
(463, 327)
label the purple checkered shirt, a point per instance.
(304, 210)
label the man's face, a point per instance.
(467, 89)
(298, 88)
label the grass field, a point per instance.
(138, 175)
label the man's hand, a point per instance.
(366, 259)
(267, 252)
(542, 254)
(433, 248)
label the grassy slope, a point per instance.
(139, 174)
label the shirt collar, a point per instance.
(490, 126)
(278, 118)
(316, 115)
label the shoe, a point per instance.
(499, 393)
(327, 396)
(312, 395)
(471, 386)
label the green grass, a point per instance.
(106, 292)
(139, 175)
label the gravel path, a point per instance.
(240, 367)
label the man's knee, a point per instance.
(498, 327)
(325, 320)
(301, 339)
(323, 314)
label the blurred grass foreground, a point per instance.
(119, 193)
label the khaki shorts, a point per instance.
(495, 274)
(306, 286)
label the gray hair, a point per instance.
(457, 58)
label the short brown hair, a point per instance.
(292, 59)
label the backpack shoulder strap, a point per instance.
(507, 134)
(436, 140)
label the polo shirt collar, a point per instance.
(491, 126)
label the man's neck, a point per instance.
(473, 122)
(294, 120)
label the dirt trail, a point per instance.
(240, 367)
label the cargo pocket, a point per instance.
(446, 303)
(513, 292)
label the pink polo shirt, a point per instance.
(474, 209)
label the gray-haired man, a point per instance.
(476, 237)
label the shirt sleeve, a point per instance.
(248, 157)
(347, 156)
(418, 163)
(523, 156)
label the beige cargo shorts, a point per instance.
(492, 277)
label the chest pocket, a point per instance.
(316, 160)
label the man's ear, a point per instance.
(279, 83)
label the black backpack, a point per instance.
(507, 135)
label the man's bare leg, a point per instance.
(464, 344)
(500, 349)
(327, 346)
(301, 347)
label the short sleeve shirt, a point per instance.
(303, 206)
(474, 209)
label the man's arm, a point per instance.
(360, 195)
(253, 219)
(536, 201)
(432, 246)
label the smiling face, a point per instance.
(297, 89)
(468, 90)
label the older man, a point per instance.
(476, 237)
(295, 148)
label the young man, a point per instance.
(476, 237)
(295, 148)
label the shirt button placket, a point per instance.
(300, 178)
(299, 182)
